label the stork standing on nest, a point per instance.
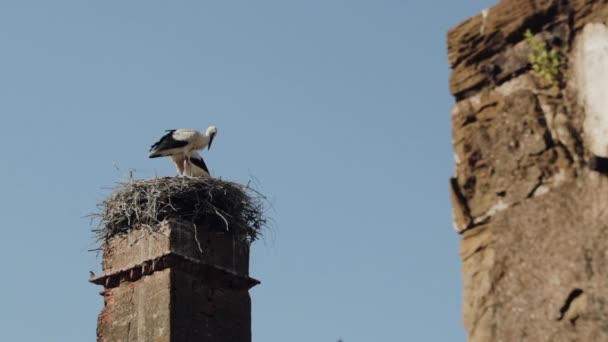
(199, 168)
(181, 143)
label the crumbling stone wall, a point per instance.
(531, 207)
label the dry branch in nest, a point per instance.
(205, 202)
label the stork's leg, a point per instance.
(188, 168)
(185, 173)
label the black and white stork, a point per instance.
(181, 143)
(199, 168)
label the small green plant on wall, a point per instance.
(545, 62)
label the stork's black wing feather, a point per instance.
(167, 142)
(200, 163)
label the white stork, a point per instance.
(181, 142)
(199, 169)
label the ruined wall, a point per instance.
(530, 192)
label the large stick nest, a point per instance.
(211, 203)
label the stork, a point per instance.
(182, 142)
(199, 169)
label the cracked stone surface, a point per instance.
(533, 218)
(521, 268)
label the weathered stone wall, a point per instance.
(532, 214)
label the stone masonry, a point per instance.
(531, 207)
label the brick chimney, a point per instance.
(176, 282)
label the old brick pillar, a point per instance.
(176, 282)
(158, 286)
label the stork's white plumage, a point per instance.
(199, 168)
(182, 142)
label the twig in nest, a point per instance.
(223, 218)
(198, 243)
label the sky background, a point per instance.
(339, 109)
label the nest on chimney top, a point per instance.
(212, 203)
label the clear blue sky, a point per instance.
(339, 108)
